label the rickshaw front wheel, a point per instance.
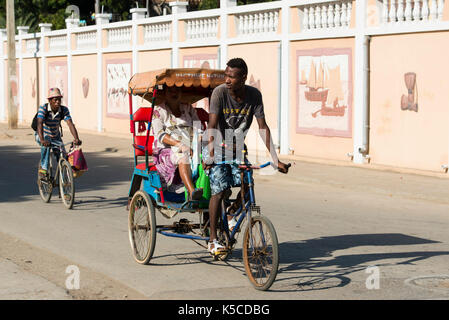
(260, 252)
(142, 227)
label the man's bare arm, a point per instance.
(265, 134)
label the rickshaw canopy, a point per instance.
(196, 83)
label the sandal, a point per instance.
(215, 248)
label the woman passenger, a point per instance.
(172, 127)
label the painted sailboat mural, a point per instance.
(324, 92)
(315, 85)
(325, 86)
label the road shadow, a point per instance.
(312, 264)
(18, 174)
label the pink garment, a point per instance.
(167, 169)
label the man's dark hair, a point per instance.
(238, 63)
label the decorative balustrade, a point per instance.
(32, 45)
(58, 43)
(404, 11)
(327, 15)
(86, 40)
(119, 36)
(264, 22)
(157, 32)
(202, 28)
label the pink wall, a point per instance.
(405, 138)
(84, 89)
(30, 89)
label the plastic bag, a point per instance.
(77, 161)
(202, 182)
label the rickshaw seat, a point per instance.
(142, 114)
(141, 166)
(140, 146)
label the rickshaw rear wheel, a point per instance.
(260, 253)
(142, 227)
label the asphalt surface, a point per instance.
(345, 232)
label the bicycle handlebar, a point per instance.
(247, 166)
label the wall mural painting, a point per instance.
(85, 86)
(324, 92)
(409, 101)
(33, 87)
(204, 61)
(57, 78)
(118, 73)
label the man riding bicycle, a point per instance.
(232, 107)
(49, 119)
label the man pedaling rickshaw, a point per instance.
(232, 108)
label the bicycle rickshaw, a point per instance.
(146, 195)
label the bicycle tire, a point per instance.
(66, 183)
(45, 186)
(142, 252)
(260, 259)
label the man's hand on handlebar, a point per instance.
(282, 167)
(77, 142)
(46, 143)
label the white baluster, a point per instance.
(425, 10)
(203, 28)
(197, 29)
(276, 21)
(305, 18)
(212, 28)
(337, 15)
(433, 10)
(259, 26)
(440, 9)
(262, 22)
(392, 12)
(312, 18)
(245, 25)
(385, 11)
(349, 14)
(255, 28)
(408, 10)
(400, 12)
(416, 10)
(318, 17)
(324, 16)
(251, 23)
(330, 16)
(216, 27)
(271, 22)
(343, 14)
(160, 32)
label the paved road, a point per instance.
(332, 223)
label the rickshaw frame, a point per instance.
(150, 195)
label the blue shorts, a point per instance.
(223, 176)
